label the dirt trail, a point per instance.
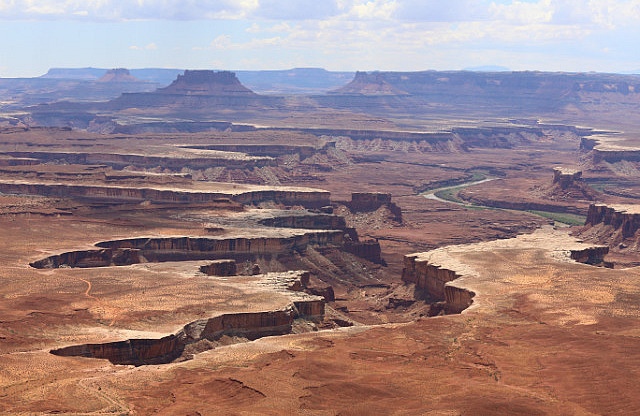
(88, 294)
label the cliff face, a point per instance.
(272, 150)
(137, 250)
(306, 199)
(434, 280)
(371, 201)
(369, 249)
(121, 160)
(312, 199)
(167, 349)
(616, 226)
(92, 258)
(613, 156)
(564, 178)
(426, 276)
(624, 221)
(311, 222)
(223, 267)
(568, 184)
(246, 325)
(132, 351)
(593, 256)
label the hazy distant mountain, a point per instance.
(287, 81)
(118, 75)
(369, 84)
(294, 81)
(487, 68)
(89, 74)
(163, 76)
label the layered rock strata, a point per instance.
(565, 177)
(593, 256)
(271, 150)
(568, 184)
(223, 267)
(139, 250)
(246, 325)
(625, 218)
(449, 284)
(367, 249)
(177, 162)
(238, 193)
(435, 281)
(371, 201)
(614, 225)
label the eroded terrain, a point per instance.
(319, 255)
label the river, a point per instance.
(432, 193)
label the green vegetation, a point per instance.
(565, 218)
(479, 176)
(450, 194)
(476, 176)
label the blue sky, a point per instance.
(411, 35)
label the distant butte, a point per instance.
(369, 84)
(118, 75)
(206, 82)
(196, 90)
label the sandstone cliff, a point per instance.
(243, 325)
(435, 281)
(568, 185)
(137, 250)
(255, 195)
(617, 226)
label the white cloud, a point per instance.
(367, 33)
(150, 47)
(296, 9)
(254, 28)
(523, 12)
(222, 42)
(374, 9)
(126, 10)
(607, 14)
(442, 11)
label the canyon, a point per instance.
(435, 242)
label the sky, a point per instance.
(339, 35)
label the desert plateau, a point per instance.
(319, 242)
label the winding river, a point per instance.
(432, 194)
